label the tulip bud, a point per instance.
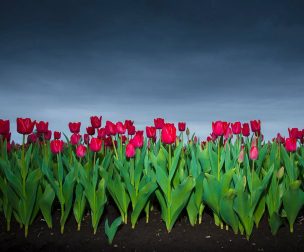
(120, 128)
(57, 134)
(280, 173)
(138, 140)
(187, 132)
(4, 127)
(42, 127)
(101, 133)
(131, 130)
(81, 151)
(75, 138)
(181, 126)
(32, 138)
(168, 133)
(254, 153)
(110, 128)
(74, 127)
(151, 132)
(245, 130)
(86, 138)
(159, 123)
(47, 135)
(90, 130)
(96, 121)
(255, 125)
(291, 144)
(56, 146)
(241, 155)
(95, 144)
(130, 150)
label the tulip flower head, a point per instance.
(96, 121)
(25, 126)
(74, 127)
(291, 144)
(95, 144)
(4, 127)
(253, 153)
(168, 133)
(56, 146)
(181, 126)
(81, 151)
(130, 150)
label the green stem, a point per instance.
(169, 192)
(114, 148)
(120, 144)
(94, 160)
(251, 193)
(26, 231)
(218, 159)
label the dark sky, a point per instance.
(193, 61)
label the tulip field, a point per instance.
(234, 174)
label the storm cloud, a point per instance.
(193, 61)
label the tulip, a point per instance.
(241, 155)
(25, 126)
(57, 135)
(123, 139)
(42, 127)
(75, 138)
(236, 128)
(181, 126)
(253, 153)
(168, 133)
(138, 140)
(56, 146)
(74, 127)
(219, 128)
(47, 135)
(95, 144)
(81, 151)
(291, 144)
(101, 133)
(159, 123)
(228, 133)
(120, 128)
(110, 128)
(32, 138)
(131, 130)
(96, 121)
(295, 133)
(86, 138)
(245, 129)
(151, 132)
(4, 127)
(130, 150)
(280, 139)
(90, 130)
(255, 125)
(128, 123)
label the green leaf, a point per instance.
(45, 204)
(112, 229)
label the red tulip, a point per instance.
(228, 133)
(120, 128)
(25, 126)
(295, 133)
(48, 135)
(110, 128)
(219, 128)
(56, 146)
(57, 135)
(32, 138)
(280, 139)
(75, 138)
(90, 130)
(254, 152)
(151, 132)
(181, 126)
(75, 127)
(4, 127)
(131, 130)
(42, 127)
(123, 139)
(236, 128)
(101, 133)
(96, 121)
(81, 151)
(255, 125)
(128, 123)
(130, 150)
(86, 138)
(168, 133)
(95, 144)
(138, 140)
(291, 144)
(159, 123)
(245, 129)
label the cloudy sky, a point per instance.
(193, 61)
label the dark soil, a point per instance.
(148, 237)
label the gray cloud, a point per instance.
(187, 61)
